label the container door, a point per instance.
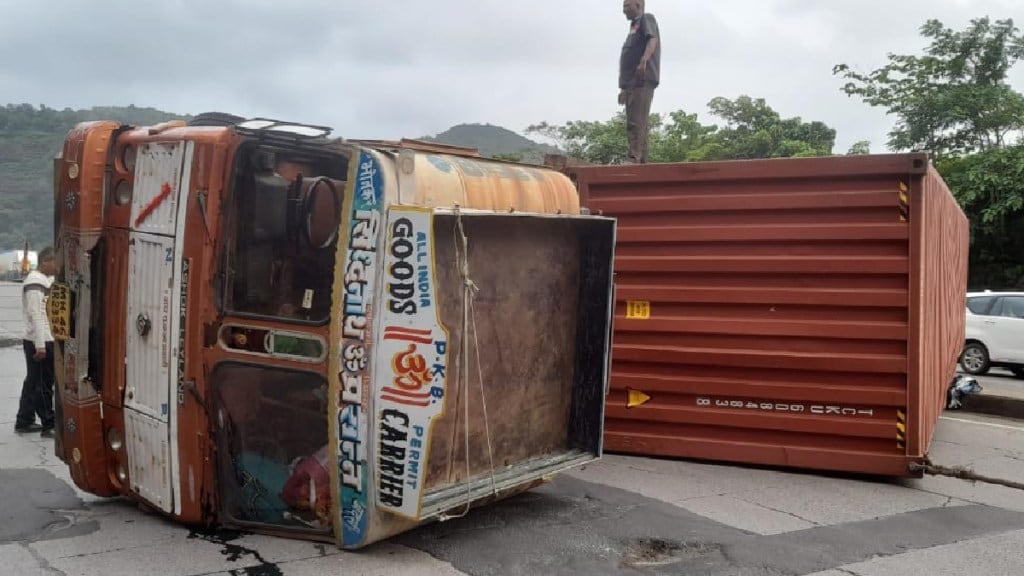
(152, 322)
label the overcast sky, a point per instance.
(396, 68)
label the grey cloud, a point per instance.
(410, 67)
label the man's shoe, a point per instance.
(27, 429)
(46, 433)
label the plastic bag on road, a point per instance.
(961, 387)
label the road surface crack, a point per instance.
(967, 500)
(1011, 454)
(43, 562)
(786, 512)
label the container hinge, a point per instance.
(963, 473)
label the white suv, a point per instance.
(995, 333)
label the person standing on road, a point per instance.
(639, 75)
(37, 390)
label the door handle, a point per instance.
(990, 322)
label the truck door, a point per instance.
(154, 263)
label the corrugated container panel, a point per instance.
(767, 311)
(148, 325)
(940, 251)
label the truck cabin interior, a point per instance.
(281, 232)
(281, 227)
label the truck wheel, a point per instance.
(1018, 372)
(974, 359)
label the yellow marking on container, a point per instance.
(638, 310)
(901, 429)
(904, 201)
(635, 398)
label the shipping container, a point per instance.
(802, 313)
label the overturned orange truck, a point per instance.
(263, 327)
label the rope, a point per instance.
(469, 290)
(483, 401)
(963, 473)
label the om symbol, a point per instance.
(411, 370)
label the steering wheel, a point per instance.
(308, 207)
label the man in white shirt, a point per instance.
(37, 390)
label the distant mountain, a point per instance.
(494, 141)
(30, 137)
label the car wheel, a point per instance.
(1018, 372)
(974, 359)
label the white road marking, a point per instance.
(980, 423)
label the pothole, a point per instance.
(642, 552)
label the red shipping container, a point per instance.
(803, 313)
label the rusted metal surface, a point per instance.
(782, 312)
(445, 180)
(939, 249)
(420, 146)
(79, 199)
(149, 463)
(165, 426)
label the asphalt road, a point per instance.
(622, 515)
(1000, 380)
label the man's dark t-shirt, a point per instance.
(641, 29)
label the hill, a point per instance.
(494, 141)
(30, 137)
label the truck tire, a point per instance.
(974, 359)
(1018, 372)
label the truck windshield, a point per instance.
(282, 228)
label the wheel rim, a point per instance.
(974, 359)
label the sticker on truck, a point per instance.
(357, 272)
(411, 364)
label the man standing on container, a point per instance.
(37, 390)
(639, 75)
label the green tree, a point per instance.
(597, 142)
(754, 130)
(990, 188)
(954, 102)
(29, 139)
(751, 129)
(509, 156)
(954, 99)
(859, 148)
